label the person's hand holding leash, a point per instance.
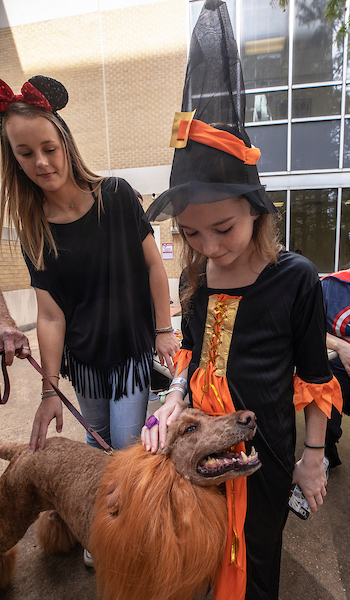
(13, 342)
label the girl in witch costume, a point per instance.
(252, 313)
(93, 263)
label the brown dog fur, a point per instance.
(158, 527)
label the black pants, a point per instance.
(267, 511)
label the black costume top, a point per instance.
(280, 324)
(241, 347)
(100, 281)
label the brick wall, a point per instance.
(13, 271)
(143, 51)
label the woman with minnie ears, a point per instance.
(93, 263)
(252, 312)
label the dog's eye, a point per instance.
(191, 428)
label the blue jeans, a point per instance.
(118, 422)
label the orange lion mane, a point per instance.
(154, 533)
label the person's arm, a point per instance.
(309, 471)
(166, 343)
(342, 347)
(11, 339)
(51, 330)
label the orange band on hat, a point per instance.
(223, 140)
(182, 132)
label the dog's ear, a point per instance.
(112, 498)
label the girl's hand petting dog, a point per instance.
(168, 413)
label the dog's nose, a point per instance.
(247, 418)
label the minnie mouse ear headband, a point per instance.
(41, 91)
(213, 159)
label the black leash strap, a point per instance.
(65, 400)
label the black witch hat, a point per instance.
(213, 159)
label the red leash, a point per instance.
(65, 400)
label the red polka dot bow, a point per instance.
(29, 95)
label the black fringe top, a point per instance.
(100, 281)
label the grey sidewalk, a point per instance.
(316, 557)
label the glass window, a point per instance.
(315, 56)
(316, 102)
(264, 49)
(347, 144)
(315, 145)
(270, 106)
(313, 219)
(347, 100)
(344, 258)
(272, 141)
(280, 199)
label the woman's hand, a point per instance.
(50, 408)
(168, 413)
(310, 475)
(167, 345)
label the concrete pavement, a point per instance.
(316, 555)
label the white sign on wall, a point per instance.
(167, 251)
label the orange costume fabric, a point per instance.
(210, 393)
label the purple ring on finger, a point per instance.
(151, 421)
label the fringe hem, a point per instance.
(100, 382)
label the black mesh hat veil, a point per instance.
(213, 159)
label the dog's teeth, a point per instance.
(253, 454)
(244, 456)
(210, 460)
(226, 461)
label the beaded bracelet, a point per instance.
(165, 330)
(314, 447)
(48, 394)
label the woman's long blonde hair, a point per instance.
(266, 243)
(21, 200)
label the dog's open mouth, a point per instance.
(218, 464)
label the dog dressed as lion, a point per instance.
(156, 525)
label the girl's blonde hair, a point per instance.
(21, 200)
(266, 243)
